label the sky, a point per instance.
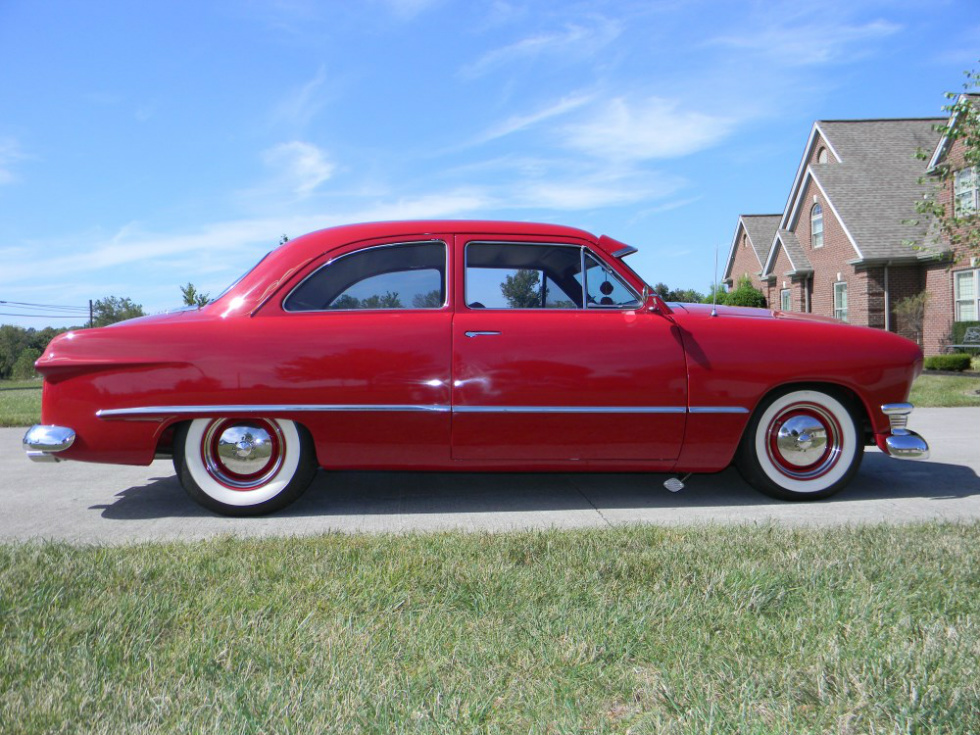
(144, 145)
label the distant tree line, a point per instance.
(20, 347)
(744, 294)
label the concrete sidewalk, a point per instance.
(108, 504)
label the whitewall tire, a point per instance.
(801, 445)
(244, 466)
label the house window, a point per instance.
(822, 155)
(966, 286)
(840, 301)
(966, 191)
(785, 300)
(816, 226)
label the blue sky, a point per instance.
(145, 145)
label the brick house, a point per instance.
(841, 247)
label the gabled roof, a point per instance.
(760, 229)
(799, 263)
(874, 187)
(943, 147)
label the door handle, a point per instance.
(481, 334)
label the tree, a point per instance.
(113, 309)
(910, 313)
(388, 300)
(685, 295)
(192, 297)
(522, 289)
(430, 300)
(13, 340)
(24, 367)
(957, 227)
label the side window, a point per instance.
(523, 276)
(400, 276)
(605, 289)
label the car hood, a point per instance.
(745, 312)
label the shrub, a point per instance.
(746, 295)
(958, 362)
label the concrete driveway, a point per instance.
(107, 504)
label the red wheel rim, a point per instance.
(804, 441)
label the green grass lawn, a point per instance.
(643, 630)
(20, 402)
(945, 391)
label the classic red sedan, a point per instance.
(474, 346)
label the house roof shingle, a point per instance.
(794, 251)
(875, 187)
(761, 229)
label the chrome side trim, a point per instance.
(149, 411)
(569, 409)
(142, 411)
(718, 409)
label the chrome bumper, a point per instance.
(42, 443)
(902, 443)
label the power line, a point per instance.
(44, 307)
(41, 316)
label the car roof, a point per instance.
(283, 262)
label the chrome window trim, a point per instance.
(466, 265)
(585, 286)
(583, 251)
(146, 411)
(445, 278)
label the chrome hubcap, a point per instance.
(801, 440)
(242, 454)
(804, 441)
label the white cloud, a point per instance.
(298, 108)
(301, 167)
(652, 128)
(517, 123)
(574, 42)
(808, 44)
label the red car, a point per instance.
(474, 346)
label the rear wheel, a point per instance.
(244, 466)
(801, 445)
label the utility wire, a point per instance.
(45, 307)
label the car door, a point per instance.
(554, 358)
(361, 347)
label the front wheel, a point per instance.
(244, 466)
(800, 445)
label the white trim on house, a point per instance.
(943, 147)
(798, 201)
(774, 254)
(804, 167)
(740, 227)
